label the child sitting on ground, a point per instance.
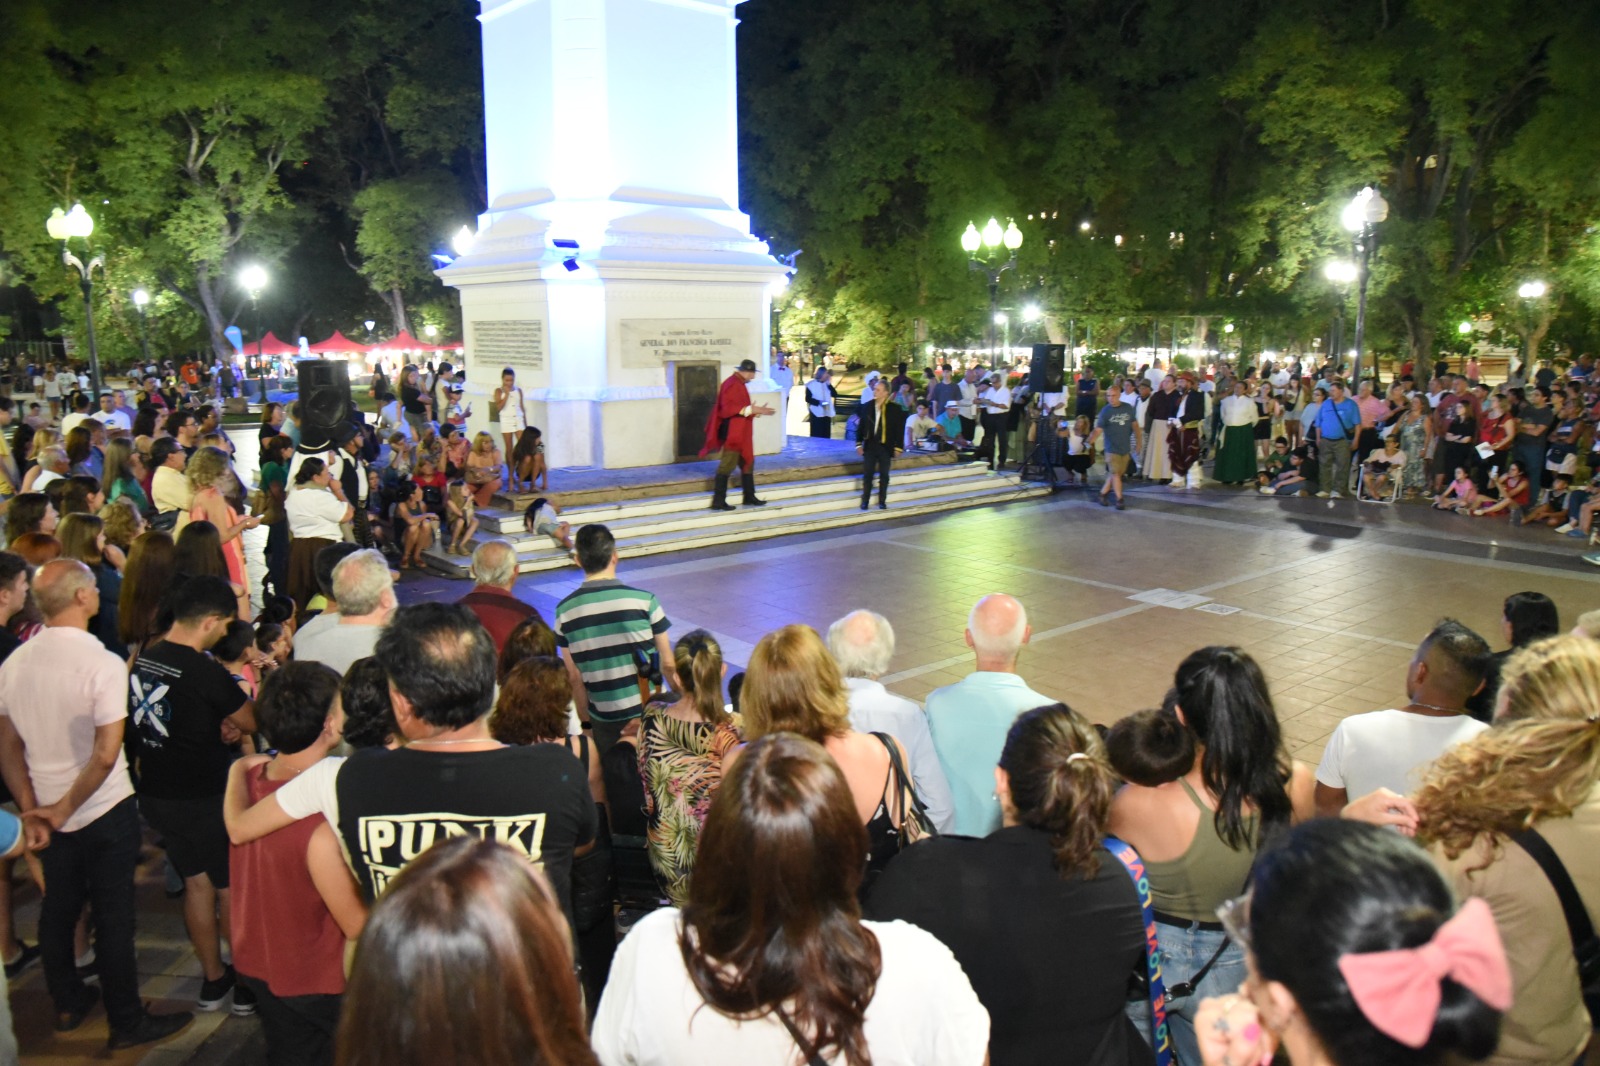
(1511, 489)
(527, 461)
(1277, 461)
(1079, 455)
(1458, 496)
(1294, 479)
(461, 513)
(1552, 510)
(544, 516)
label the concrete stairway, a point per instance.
(646, 524)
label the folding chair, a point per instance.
(1395, 478)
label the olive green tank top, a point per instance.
(1207, 875)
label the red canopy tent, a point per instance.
(271, 345)
(405, 342)
(338, 343)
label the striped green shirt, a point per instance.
(600, 625)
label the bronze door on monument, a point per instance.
(694, 394)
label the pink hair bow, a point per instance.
(1399, 991)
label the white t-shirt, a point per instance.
(73, 421)
(114, 420)
(314, 512)
(923, 1012)
(57, 689)
(313, 792)
(338, 646)
(1389, 749)
(1155, 376)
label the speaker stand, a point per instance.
(1041, 463)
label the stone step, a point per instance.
(697, 477)
(506, 522)
(704, 529)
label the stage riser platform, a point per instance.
(651, 525)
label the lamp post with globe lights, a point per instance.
(253, 279)
(63, 226)
(1361, 217)
(990, 241)
(141, 300)
(1342, 273)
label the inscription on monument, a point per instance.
(650, 342)
(517, 343)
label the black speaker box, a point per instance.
(324, 399)
(1047, 372)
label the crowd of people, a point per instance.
(575, 839)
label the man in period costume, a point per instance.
(1183, 434)
(730, 432)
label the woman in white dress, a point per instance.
(513, 418)
(770, 956)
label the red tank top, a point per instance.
(283, 933)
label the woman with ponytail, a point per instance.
(1538, 769)
(1045, 923)
(682, 747)
(1199, 835)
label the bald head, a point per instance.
(863, 643)
(57, 584)
(997, 629)
(494, 563)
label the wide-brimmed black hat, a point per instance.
(749, 366)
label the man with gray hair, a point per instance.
(53, 466)
(862, 642)
(365, 592)
(969, 720)
(494, 568)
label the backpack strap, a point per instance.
(1161, 1037)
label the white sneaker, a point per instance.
(1176, 483)
(1265, 491)
(1337, 495)
(1322, 495)
(1566, 527)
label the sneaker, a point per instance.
(25, 958)
(1322, 495)
(70, 1019)
(1105, 499)
(1337, 495)
(244, 1001)
(212, 993)
(1576, 533)
(1593, 558)
(151, 1027)
(1120, 506)
(1265, 491)
(1566, 527)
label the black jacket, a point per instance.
(867, 430)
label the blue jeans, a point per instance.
(1184, 950)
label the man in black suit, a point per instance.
(879, 436)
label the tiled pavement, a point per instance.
(1330, 596)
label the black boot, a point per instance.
(750, 491)
(719, 496)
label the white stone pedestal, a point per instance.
(613, 246)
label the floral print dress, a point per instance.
(681, 763)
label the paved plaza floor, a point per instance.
(1331, 596)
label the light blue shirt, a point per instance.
(874, 709)
(969, 721)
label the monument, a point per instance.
(613, 269)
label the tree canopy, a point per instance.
(1172, 166)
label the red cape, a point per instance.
(727, 428)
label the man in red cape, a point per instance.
(730, 431)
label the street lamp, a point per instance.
(1361, 216)
(1342, 273)
(463, 240)
(253, 279)
(1530, 291)
(141, 300)
(430, 330)
(63, 226)
(991, 240)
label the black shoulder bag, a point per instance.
(806, 1049)
(1585, 945)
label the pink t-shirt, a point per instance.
(57, 689)
(1373, 410)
